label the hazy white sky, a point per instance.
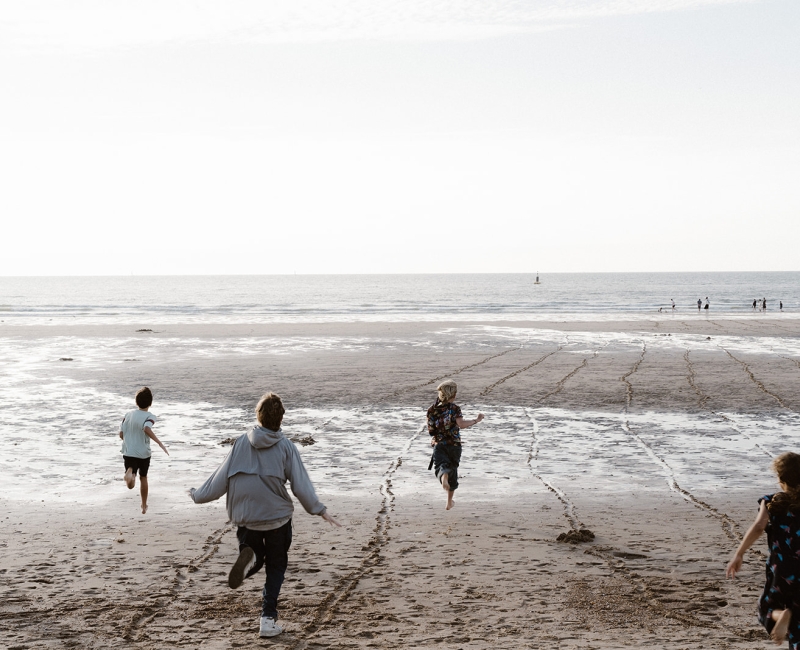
(339, 136)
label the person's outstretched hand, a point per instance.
(734, 566)
(330, 519)
(165, 449)
(479, 418)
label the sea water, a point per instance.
(331, 298)
(59, 434)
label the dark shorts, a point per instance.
(446, 459)
(141, 465)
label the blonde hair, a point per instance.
(270, 411)
(447, 390)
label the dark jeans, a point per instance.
(445, 461)
(272, 552)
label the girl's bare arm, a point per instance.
(753, 533)
(466, 424)
(149, 433)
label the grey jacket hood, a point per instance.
(263, 438)
(254, 477)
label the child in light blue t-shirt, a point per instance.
(136, 433)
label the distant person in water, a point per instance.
(699, 304)
(444, 426)
(136, 433)
(755, 302)
(254, 476)
(764, 304)
(706, 307)
(778, 516)
(781, 305)
(673, 304)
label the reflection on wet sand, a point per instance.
(656, 442)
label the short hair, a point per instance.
(144, 397)
(270, 411)
(447, 390)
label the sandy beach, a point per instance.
(656, 435)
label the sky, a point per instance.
(387, 136)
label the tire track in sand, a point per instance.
(729, 526)
(533, 456)
(794, 361)
(345, 586)
(703, 399)
(533, 451)
(150, 611)
(632, 371)
(753, 378)
(560, 384)
(615, 558)
(450, 374)
(491, 387)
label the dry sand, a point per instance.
(666, 510)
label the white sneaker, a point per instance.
(269, 627)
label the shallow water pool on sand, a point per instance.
(62, 439)
(61, 434)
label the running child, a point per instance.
(444, 426)
(254, 476)
(779, 516)
(136, 433)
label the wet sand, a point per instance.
(652, 435)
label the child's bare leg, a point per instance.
(143, 489)
(450, 502)
(782, 618)
(445, 482)
(130, 478)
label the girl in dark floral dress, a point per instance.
(779, 517)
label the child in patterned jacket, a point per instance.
(444, 426)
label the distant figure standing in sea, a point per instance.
(706, 307)
(754, 304)
(444, 426)
(764, 304)
(673, 304)
(781, 305)
(699, 304)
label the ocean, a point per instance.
(332, 298)
(59, 420)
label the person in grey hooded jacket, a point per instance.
(254, 476)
